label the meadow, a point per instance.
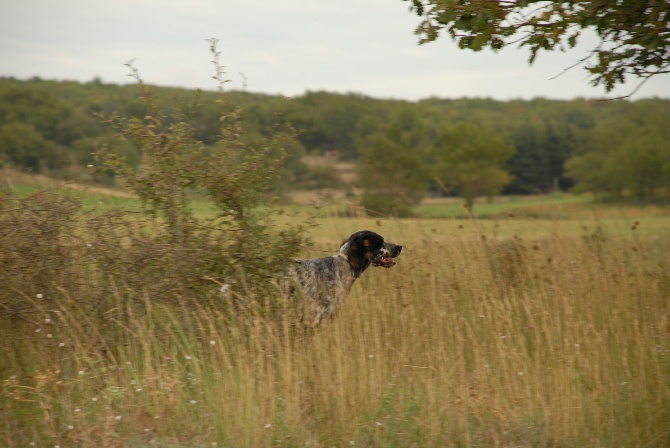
(544, 326)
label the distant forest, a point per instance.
(615, 148)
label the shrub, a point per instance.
(39, 245)
(240, 238)
(104, 264)
(377, 203)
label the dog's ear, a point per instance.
(360, 244)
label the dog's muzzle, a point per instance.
(387, 258)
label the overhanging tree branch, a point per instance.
(638, 29)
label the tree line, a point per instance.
(470, 147)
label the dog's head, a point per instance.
(365, 248)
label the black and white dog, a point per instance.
(324, 283)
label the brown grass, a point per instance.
(558, 337)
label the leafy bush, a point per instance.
(379, 203)
(107, 262)
(39, 248)
(392, 173)
(240, 240)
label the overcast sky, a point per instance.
(280, 47)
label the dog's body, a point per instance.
(324, 283)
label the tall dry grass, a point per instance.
(476, 338)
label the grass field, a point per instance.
(519, 331)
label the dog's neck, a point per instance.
(356, 271)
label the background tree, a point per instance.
(38, 107)
(333, 126)
(392, 173)
(470, 159)
(625, 157)
(634, 34)
(537, 166)
(25, 147)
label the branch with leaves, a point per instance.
(634, 35)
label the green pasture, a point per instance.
(546, 205)
(562, 206)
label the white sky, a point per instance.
(281, 47)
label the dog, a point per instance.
(324, 283)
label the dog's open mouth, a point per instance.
(386, 262)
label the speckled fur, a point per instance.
(324, 283)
